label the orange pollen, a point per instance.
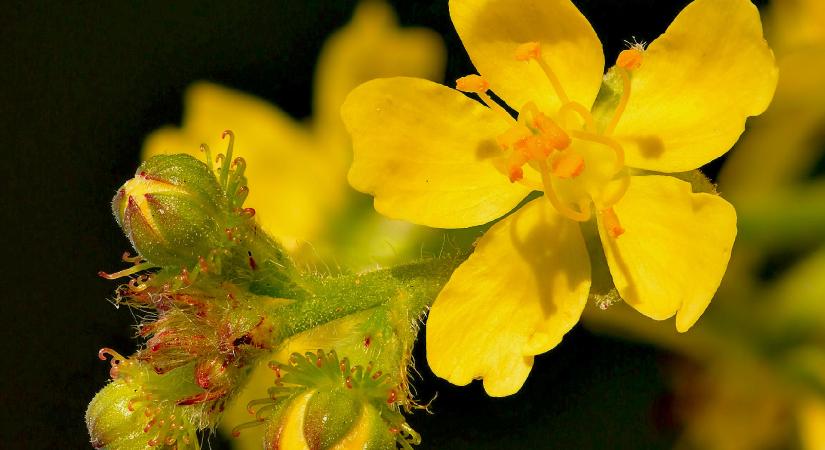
(512, 136)
(630, 59)
(472, 84)
(516, 173)
(528, 51)
(553, 133)
(518, 158)
(611, 223)
(567, 165)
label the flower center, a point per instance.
(577, 164)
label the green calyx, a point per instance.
(171, 210)
(134, 411)
(322, 402)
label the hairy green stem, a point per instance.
(414, 285)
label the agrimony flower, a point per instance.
(433, 156)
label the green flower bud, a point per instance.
(111, 424)
(127, 414)
(170, 210)
(321, 402)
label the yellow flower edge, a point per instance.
(522, 289)
(699, 81)
(675, 249)
(421, 167)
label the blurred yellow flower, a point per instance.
(296, 170)
(432, 156)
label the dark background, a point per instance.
(80, 87)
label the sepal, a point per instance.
(170, 210)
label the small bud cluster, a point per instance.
(134, 410)
(203, 321)
(216, 295)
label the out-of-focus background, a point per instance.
(82, 86)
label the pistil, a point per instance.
(628, 61)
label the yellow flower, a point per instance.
(296, 170)
(433, 156)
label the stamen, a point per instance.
(528, 51)
(475, 84)
(567, 165)
(616, 194)
(550, 193)
(552, 132)
(515, 171)
(604, 140)
(611, 223)
(472, 83)
(532, 50)
(622, 101)
(589, 122)
(513, 135)
(630, 59)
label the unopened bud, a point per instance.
(169, 210)
(127, 414)
(321, 402)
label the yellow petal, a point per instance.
(674, 250)
(491, 30)
(371, 46)
(522, 289)
(697, 84)
(292, 188)
(427, 152)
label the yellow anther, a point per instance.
(552, 133)
(509, 138)
(514, 166)
(528, 51)
(534, 148)
(610, 221)
(472, 83)
(567, 165)
(516, 173)
(630, 59)
(475, 84)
